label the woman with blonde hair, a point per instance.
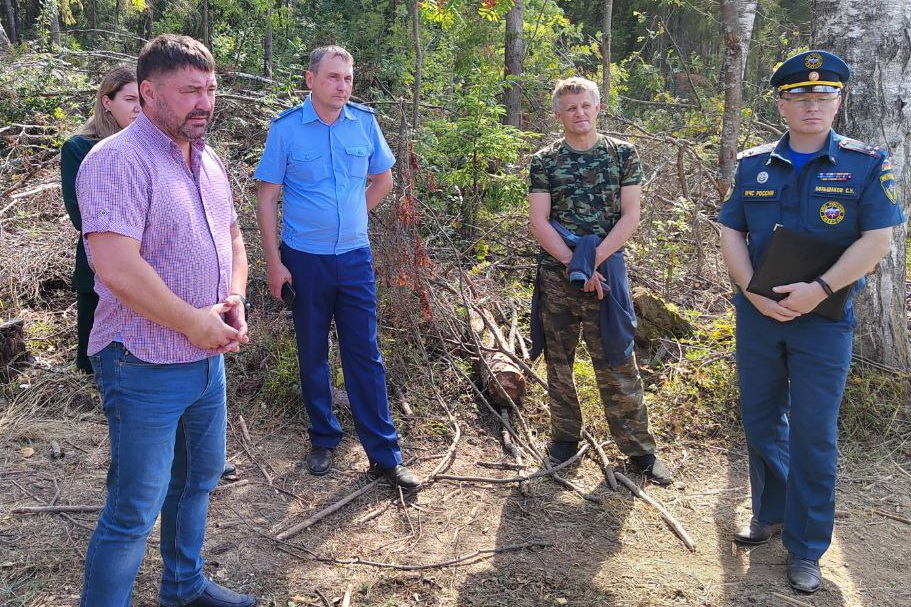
(116, 106)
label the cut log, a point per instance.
(500, 375)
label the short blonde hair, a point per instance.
(574, 86)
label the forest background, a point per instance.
(462, 91)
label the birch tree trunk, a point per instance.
(11, 21)
(737, 18)
(4, 40)
(605, 56)
(53, 16)
(267, 46)
(418, 64)
(872, 37)
(514, 52)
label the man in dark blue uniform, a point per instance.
(792, 361)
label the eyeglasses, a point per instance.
(804, 101)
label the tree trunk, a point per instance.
(10, 21)
(267, 46)
(93, 17)
(418, 64)
(53, 18)
(4, 41)
(605, 55)
(737, 27)
(745, 19)
(514, 51)
(871, 36)
(149, 24)
(116, 15)
(205, 23)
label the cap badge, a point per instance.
(762, 177)
(832, 213)
(813, 76)
(813, 61)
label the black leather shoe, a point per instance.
(399, 476)
(652, 468)
(756, 532)
(219, 596)
(559, 451)
(803, 574)
(230, 470)
(319, 460)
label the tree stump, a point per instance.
(657, 318)
(12, 343)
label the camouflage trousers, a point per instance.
(564, 309)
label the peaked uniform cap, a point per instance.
(811, 72)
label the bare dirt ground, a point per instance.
(619, 553)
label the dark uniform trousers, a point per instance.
(793, 459)
(564, 309)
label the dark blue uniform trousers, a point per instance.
(341, 287)
(799, 366)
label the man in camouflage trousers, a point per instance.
(584, 194)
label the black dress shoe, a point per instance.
(230, 470)
(559, 451)
(319, 461)
(803, 574)
(219, 596)
(398, 476)
(652, 468)
(756, 532)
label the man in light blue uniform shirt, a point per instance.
(334, 164)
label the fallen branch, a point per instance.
(245, 442)
(602, 460)
(295, 529)
(55, 509)
(790, 600)
(456, 561)
(669, 519)
(239, 483)
(894, 517)
(520, 478)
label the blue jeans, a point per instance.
(342, 287)
(167, 432)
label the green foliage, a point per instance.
(875, 406)
(698, 394)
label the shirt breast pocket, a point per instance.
(829, 213)
(762, 209)
(358, 160)
(308, 165)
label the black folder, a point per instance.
(793, 256)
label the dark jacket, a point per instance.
(618, 318)
(72, 154)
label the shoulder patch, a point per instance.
(765, 148)
(859, 146)
(287, 112)
(362, 107)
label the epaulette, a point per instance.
(362, 107)
(287, 112)
(765, 148)
(859, 146)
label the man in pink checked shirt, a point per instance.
(171, 272)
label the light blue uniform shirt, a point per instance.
(324, 170)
